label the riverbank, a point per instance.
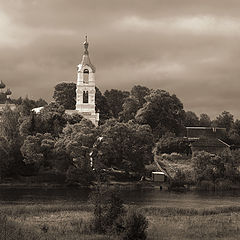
(110, 184)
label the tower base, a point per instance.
(92, 116)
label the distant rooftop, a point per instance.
(206, 128)
(210, 132)
(37, 110)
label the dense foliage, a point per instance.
(131, 125)
(127, 146)
(216, 168)
(169, 143)
(163, 112)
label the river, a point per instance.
(141, 197)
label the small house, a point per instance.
(158, 176)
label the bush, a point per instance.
(176, 156)
(134, 226)
(169, 143)
(108, 207)
(110, 217)
(212, 167)
(178, 180)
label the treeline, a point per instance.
(131, 125)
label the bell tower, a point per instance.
(85, 92)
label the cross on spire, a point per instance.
(85, 44)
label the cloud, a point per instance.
(190, 48)
(202, 24)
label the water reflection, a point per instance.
(141, 197)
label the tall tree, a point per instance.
(102, 106)
(65, 94)
(51, 119)
(10, 141)
(127, 146)
(225, 120)
(130, 108)
(115, 99)
(27, 105)
(76, 142)
(204, 120)
(140, 92)
(191, 119)
(38, 150)
(234, 133)
(163, 112)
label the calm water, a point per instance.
(142, 197)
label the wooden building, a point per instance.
(207, 139)
(158, 176)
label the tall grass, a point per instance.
(72, 221)
(172, 211)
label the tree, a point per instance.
(115, 99)
(51, 119)
(212, 167)
(130, 108)
(191, 119)
(225, 120)
(73, 147)
(38, 150)
(139, 93)
(65, 95)
(5, 159)
(234, 133)
(163, 112)
(27, 105)
(127, 146)
(102, 106)
(10, 142)
(204, 120)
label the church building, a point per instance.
(85, 92)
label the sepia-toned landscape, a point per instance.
(119, 120)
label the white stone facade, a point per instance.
(85, 92)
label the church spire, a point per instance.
(85, 58)
(85, 44)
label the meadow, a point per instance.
(64, 220)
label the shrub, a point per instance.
(169, 143)
(178, 180)
(176, 156)
(134, 226)
(212, 167)
(108, 207)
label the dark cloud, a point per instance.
(190, 48)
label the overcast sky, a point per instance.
(187, 47)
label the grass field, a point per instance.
(71, 221)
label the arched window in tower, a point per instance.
(85, 76)
(85, 96)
